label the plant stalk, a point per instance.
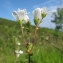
(35, 32)
(29, 58)
(23, 35)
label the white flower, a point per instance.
(16, 51)
(43, 10)
(18, 43)
(21, 15)
(37, 13)
(20, 52)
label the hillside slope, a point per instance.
(49, 47)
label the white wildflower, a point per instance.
(43, 10)
(18, 43)
(16, 51)
(21, 15)
(20, 52)
(37, 13)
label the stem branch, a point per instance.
(23, 35)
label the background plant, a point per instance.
(47, 51)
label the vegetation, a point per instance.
(58, 19)
(47, 49)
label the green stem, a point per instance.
(35, 34)
(16, 60)
(29, 58)
(23, 35)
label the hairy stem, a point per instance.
(23, 35)
(35, 32)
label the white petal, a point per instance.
(43, 10)
(37, 13)
(16, 51)
(26, 18)
(20, 52)
(21, 14)
(15, 15)
(18, 43)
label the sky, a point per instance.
(8, 6)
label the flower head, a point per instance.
(37, 15)
(18, 52)
(43, 12)
(21, 15)
(18, 43)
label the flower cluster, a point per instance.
(39, 14)
(22, 15)
(18, 51)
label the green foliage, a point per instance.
(58, 19)
(43, 51)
